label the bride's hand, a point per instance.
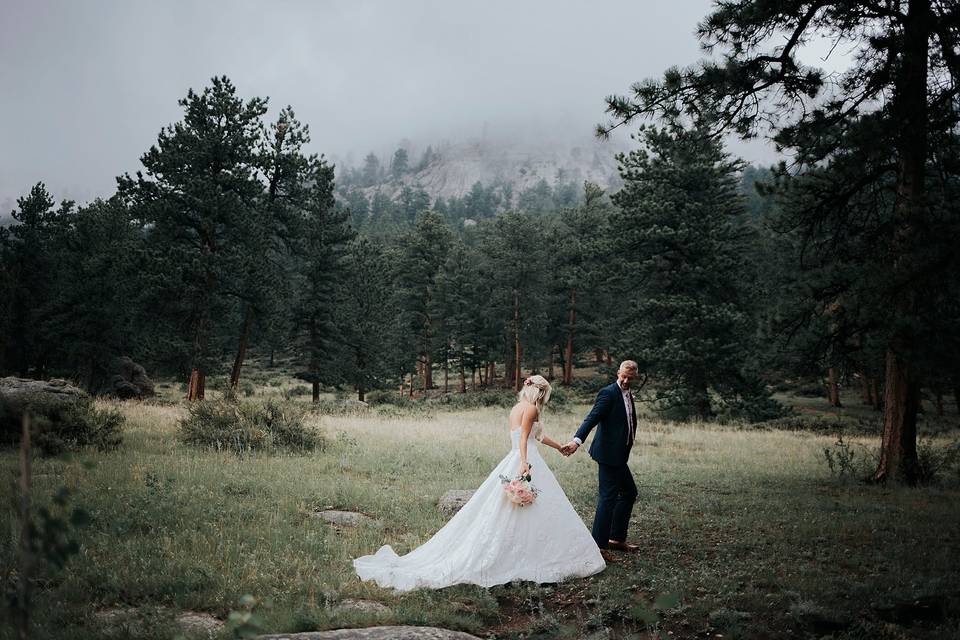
(524, 469)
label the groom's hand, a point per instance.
(569, 448)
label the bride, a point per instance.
(491, 541)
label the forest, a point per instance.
(830, 274)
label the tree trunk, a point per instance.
(361, 393)
(427, 371)
(446, 373)
(865, 389)
(271, 357)
(315, 361)
(568, 354)
(463, 378)
(875, 396)
(598, 355)
(195, 390)
(242, 350)
(833, 388)
(516, 341)
(956, 397)
(701, 400)
(606, 357)
(898, 449)
(898, 452)
(939, 403)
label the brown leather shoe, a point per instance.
(622, 546)
(608, 557)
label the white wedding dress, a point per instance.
(490, 541)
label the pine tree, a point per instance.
(323, 265)
(680, 233)
(363, 311)
(902, 87)
(422, 252)
(198, 200)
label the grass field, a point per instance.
(749, 528)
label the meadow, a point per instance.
(744, 532)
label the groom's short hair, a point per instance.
(629, 365)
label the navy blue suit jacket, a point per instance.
(610, 444)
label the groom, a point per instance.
(615, 417)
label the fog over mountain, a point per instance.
(88, 85)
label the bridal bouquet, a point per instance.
(519, 490)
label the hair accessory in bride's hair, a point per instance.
(527, 382)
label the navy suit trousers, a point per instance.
(618, 492)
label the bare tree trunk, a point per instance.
(898, 449)
(606, 357)
(26, 554)
(939, 403)
(568, 355)
(865, 389)
(598, 355)
(875, 396)
(242, 350)
(463, 378)
(516, 340)
(833, 388)
(196, 388)
(446, 373)
(898, 452)
(427, 371)
(403, 379)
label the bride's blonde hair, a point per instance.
(535, 390)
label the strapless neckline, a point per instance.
(531, 430)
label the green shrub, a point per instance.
(935, 460)
(824, 424)
(58, 426)
(248, 426)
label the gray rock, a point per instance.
(362, 606)
(127, 380)
(453, 500)
(375, 633)
(197, 622)
(346, 518)
(194, 622)
(15, 392)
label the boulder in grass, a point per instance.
(15, 393)
(345, 518)
(375, 633)
(63, 416)
(453, 500)
(128, 380)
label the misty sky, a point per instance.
(88, 85)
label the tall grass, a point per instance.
(730, 518)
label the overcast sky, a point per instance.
(88, 85)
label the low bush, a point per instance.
(58, 426)
(935, 460)
(246, 426)
(824, 424)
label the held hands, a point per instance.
(569, 449)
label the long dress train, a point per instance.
(490, 541)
